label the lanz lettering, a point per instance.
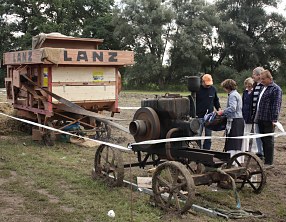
(96, 56)
(20, 57)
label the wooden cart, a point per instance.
(65, 81)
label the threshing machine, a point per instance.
(65, 81)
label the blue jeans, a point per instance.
(207, 143)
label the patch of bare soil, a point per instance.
(12, 206)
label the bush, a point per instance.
(223, 72)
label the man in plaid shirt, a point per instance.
(268, 109)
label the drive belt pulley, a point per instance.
(145, 125)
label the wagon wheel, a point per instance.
(173, 186)
(108, 164)
(49, 136)
(254, 174)
(103, 130)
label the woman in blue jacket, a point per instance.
(235, 121)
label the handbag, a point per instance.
(215, 122)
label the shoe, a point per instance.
(268, 166)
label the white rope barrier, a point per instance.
(67, 133)
(129, 108)
(253, 136)
(148, 142)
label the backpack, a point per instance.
(215, 122)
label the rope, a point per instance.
(238, 214)
(238, 203)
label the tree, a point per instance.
(248, 36)
(82, 18)
(68, 17)
(190, 39)
(98, 23)
(6, 37)
(142, 25)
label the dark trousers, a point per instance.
(237, 129)
(267, 141)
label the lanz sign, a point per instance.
(85, 56)
(69, 56)
(25, 56)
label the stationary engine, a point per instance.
(167, 116)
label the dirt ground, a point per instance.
(271, 202)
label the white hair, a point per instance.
(258, 70)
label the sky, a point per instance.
(280, 9)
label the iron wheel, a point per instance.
(108, 165)
(254, 175)
(173, 187)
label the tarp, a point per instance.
(38, 40)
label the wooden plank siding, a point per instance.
(69, 57)
(84, 83)
(85, 93)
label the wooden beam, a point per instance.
(23, 57)
(69, 57)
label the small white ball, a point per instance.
(111, 213)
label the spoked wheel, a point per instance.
(103, 131)
(254, 174)
(173, 187)
(108, 165)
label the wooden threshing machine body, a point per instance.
(64, 67)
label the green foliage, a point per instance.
(248, 35)
(85, 18)
(222, 73)
(143, 26)
(171, 39)
(187, 51)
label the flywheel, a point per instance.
(145, 125)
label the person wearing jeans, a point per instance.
(207, 142)
(206, 101)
